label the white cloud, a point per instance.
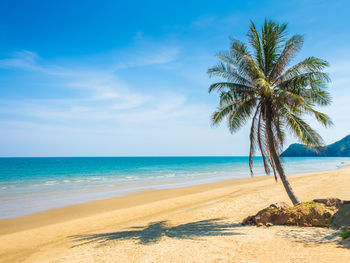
(98, 109)
(141, 58)
(22, 59)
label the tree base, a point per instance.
(318, 213)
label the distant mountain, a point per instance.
(338, 149)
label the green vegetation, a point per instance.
(338, 149)
(259, 86)
(267, 208)
(345, 234)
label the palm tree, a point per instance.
(259, 86)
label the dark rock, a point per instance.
(342, 217)
(250, 220)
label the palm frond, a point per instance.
(233, 87)
(253, 139)
(322, 118)
(254, 40)
(308, 65)
(253, 68)
(273, 165)
(302, 130)
(293, 45)
(273, 35)
(228, 72)
(239, 116)
(317, 96)
(262, 144)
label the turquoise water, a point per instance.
(30, 185)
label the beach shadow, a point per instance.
(311, 235)
(345, 244)
(153, 232)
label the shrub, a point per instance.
(345, 234)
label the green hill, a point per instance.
(338, 149)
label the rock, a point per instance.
(271, 215)
(342, 217)
(304, 214)
(327, 214)
(346, 243)
(279, 205)
(330, 202)
(320, 213)
(250, 220)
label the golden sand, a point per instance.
(191, 224)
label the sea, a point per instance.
(29, 185)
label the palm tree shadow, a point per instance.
(347, 244)
(153, 232)
(344, 243)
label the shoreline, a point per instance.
(35, 237)
(90, 208)
(130, 199)
(57, 193)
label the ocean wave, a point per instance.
(171, 175)
(51, 182)
(131, 177)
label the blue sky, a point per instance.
(121, 78)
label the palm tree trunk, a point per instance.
(280, 170)
(284, 179)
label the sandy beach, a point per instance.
(191, 224)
